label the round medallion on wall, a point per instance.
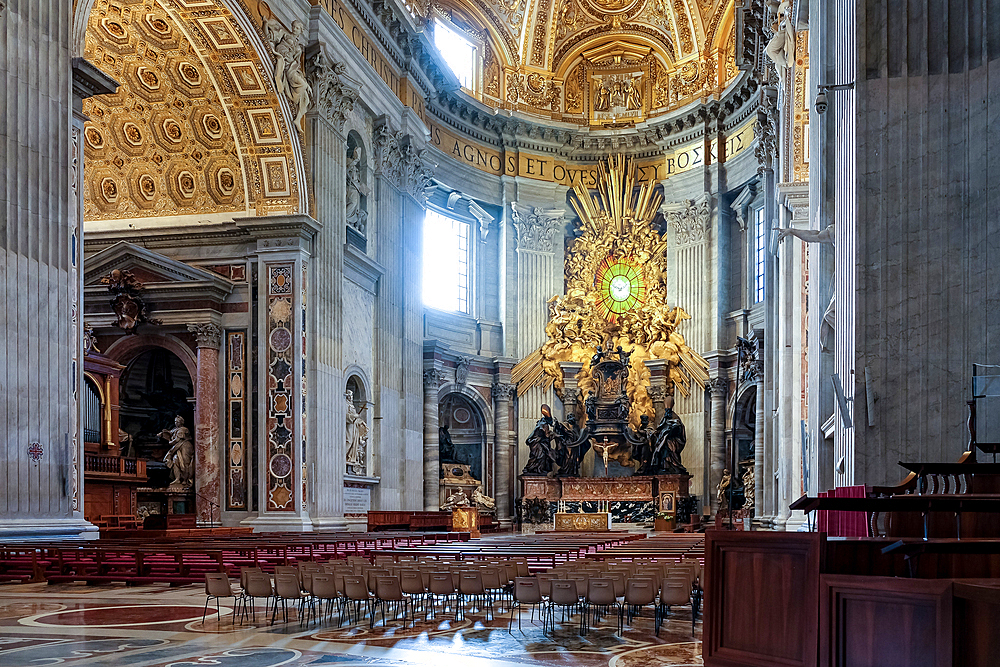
(462, 415)
(281, 339)
(281, 465)
(236, 454)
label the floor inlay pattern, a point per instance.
(157, 626)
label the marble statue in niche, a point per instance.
(289, 78)
(828, 236)
(180, 456)
(357, 216)
(357, 437)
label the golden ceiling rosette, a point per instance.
(615, 296)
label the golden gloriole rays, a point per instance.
(616, 228)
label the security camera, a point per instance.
(821, 102)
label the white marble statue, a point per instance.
(781, 47)
(180, 456)
(456, 499)
(289, 78)
(826, 235)
(357, 435)
(356, 215)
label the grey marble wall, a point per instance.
(927, 299)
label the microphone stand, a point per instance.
(212, 506)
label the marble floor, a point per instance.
(157, 626)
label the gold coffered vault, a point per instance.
(196, 126)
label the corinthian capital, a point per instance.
(503, 391)
(689, 220)
(335, 92)
(206, 335)
(718, 386)
(536, 228)
(432, 378)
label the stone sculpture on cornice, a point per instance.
(335, 92)
(536, 228)
(781, 47)
(289, 78)
(414, 175)
(385, 143)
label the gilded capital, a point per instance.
(206, 335)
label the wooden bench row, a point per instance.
(136, 561)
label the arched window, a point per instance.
(458, 51)
(447, 262)
(91, 412)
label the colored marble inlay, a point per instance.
(280, 413)
(305, 478)
(236, 479)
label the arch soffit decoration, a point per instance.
(197, 117)
(474, 397)
(126, 349)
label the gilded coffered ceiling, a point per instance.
(195, 128)
(597, 62)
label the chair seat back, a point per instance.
(217, 585)
(388, 588)
(287, 586)
(601, 592)
(675, 591)
(527, 591)
(640, 591)
(355, 587)
(564, 592)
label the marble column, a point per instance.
(40, 187)
(432, 458)
(718, 387)
(502, 392)
(758, 445)
(207, 457)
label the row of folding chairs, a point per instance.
(593, 597)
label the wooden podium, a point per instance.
(465, 519)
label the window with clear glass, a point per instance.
(458, 52)
(758, 255)
(446, 262)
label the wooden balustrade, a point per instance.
(95, 465)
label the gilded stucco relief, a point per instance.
(538, 55)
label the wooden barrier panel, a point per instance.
(885, 620)
(761, 598)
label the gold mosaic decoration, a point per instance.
(195, 127)
(616, 229)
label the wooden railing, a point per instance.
(114, 466)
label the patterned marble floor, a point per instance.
(157, 626)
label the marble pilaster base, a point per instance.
(271, 524)
(28, 530)
(330, 524)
